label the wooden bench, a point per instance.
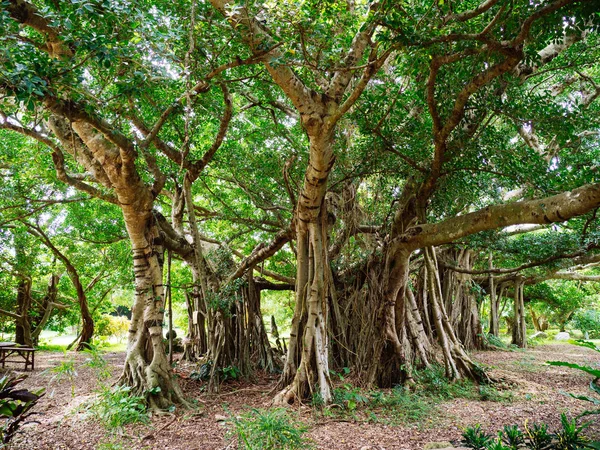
(24, 354)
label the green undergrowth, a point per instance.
(533, 436)
(116, 407)
(268, 429)
(417, 405)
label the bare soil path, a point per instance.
(537, 392)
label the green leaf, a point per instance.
(587, 369)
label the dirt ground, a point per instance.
(537, 395)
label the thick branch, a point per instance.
(557, 208)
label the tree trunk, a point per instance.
(195, 344)
(457, 362)
(49, 300)
(494, 299)
(312, 374)
(519, 330)
(146, 367)
(23, 324)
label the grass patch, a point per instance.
(46, 347)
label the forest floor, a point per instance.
(528, 390)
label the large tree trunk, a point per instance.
(306, 371)
(146, 368)
(312, 374)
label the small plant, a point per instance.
(116, 407)
(406, 407)
(474, 437)
(512, 436)
(64, 370)
(230, 373)
(225, 373)
(538, 435)
(434, 382)
(349, 397)
(570, 437)
(270, 429)
(109, 445)
(495, 341)
(497, 444)
(97, 362)
(15, 405)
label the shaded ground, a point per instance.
(536, 395)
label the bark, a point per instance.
(23, 324)
(457, 362)
(146, 369)
(494, 299)
(312, 373)
(48, 305)
(519, 330)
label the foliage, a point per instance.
(225, 373)
(64, 370)
(117, 407)
(495, 341)
(270, 429)
(474, 437)
(434, 382)
(349, 397)
(594, 384)
(512, 436)
(588, 321)
(538, 435)
(405, 406)
(96, 361)
(15, 405)
(109, 325)
(570, 436)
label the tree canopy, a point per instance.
(391, 163)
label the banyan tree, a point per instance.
(374, 144)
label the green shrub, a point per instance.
(407, 407)
(497, 444)
(536, 437)
(271, 429)
(349, 397)
(225, 373)
(588, 322)
(116, 407)
(512, 436)
(435, 383)
(116, 326)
